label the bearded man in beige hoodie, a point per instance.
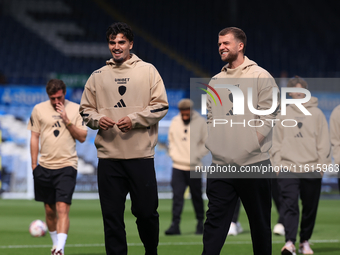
(239, 146)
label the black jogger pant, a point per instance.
(179, 182)
(115, 180)
(223, 195)
(308, 189)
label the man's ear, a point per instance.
(240, 46)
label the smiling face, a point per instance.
(229, 48)
(120, 48)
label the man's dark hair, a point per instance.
(54, 85)
(238, 33)
(119, 28)
(297, 80)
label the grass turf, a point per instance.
(86, 231)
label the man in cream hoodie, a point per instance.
(125, 100)
(244, 144)
(305, 151)
(187, 135)
(334, 123)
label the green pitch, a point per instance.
(86, 231)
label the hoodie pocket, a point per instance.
(234, 141)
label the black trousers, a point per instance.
(223, 195)
(179, 182)
(308, 189)
(237, 211)
(115, 180)
(339, 180)
(277, 199)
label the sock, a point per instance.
(54, 238)
(61, 241)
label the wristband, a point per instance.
(69, 124)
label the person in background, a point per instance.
(56, 124)
(187, 135)
(334, 123)
(305, 150)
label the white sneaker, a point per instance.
(60, 252)
(232, 229)
(288, 249)
(53, 250)
(239, 228)
(279, 229)
(304, 248)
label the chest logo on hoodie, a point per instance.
(122, 80)
(121, 91)
(299, 126)
(231, 100)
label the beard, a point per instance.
(232, 56)
(186, 122)
(118, 60)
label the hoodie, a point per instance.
(334, 123)
(234, 140)
(134, 89)
(187, 142)
(305, 147)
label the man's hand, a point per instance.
(61, 110)
(260, 137)
(105, 123)
(124, 124)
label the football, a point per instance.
(38, 228)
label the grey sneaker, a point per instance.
(304, 248)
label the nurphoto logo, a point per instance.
(238, 104)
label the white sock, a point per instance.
(54, 238)
(61, 241)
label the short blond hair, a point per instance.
(185, 104)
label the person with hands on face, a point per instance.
(56, 124)
(124, 101)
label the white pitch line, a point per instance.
(140, 244)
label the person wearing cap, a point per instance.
(187, 135)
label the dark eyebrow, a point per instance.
(121, 41)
